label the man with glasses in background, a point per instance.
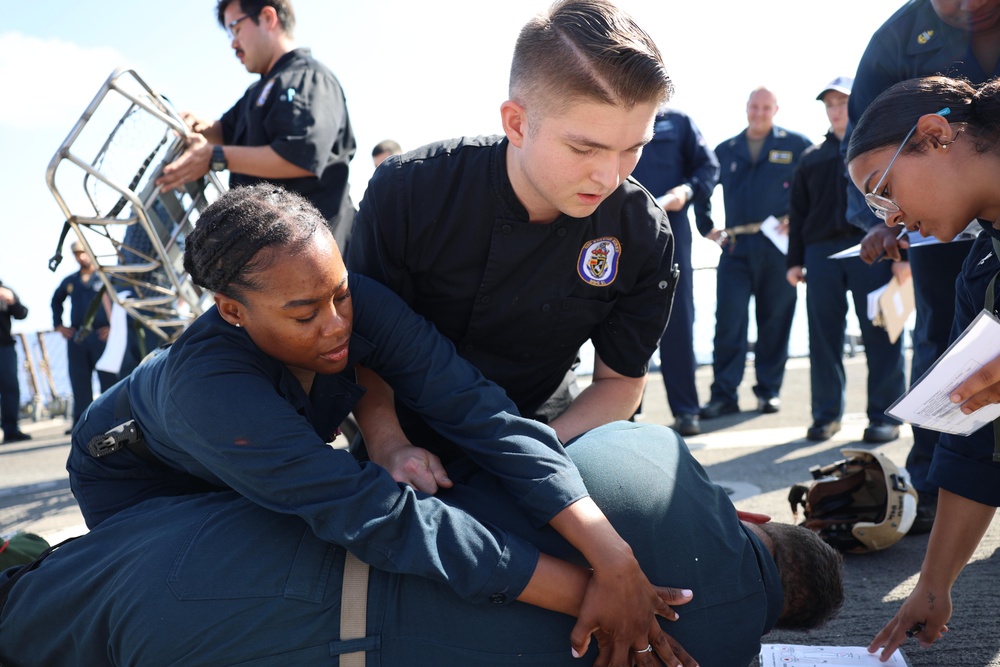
(290, 128)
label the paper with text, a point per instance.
(791, 655)
(927, 404)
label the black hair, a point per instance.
(224, 252)
(887, 120)
(811, 575)
(253, 8)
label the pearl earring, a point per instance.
(238, 325)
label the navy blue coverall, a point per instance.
(753, 265)
(82, 354)
(915, 42)
(217, 413)
(214, 579)
(10, 390)
(964, 465)
(678, 155)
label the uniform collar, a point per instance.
(771, 579)
(989, 228)
(283, 62)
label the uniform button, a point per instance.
(561, 231)
(507, 229)
(498, 598)
(664, 284)
(486, 299)
(546, 307)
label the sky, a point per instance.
(416, 72)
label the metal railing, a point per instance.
(132, 230)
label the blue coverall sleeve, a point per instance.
(704, 176)
(58, 299)
(429, 377)
(230, 423)
(964, 464)
(703, 164)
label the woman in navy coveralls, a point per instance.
(249, 396)
(946, 138)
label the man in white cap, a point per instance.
(818, 228)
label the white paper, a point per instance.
(873, 298)
(853, 251)
(114, 350)
(926, 404)
(791, 655)
(770, 229)
(914, 239)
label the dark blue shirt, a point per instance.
(964, 465)
(678, 155)
(754, 190)
(913, 42)
(81, 293)
(218, 413)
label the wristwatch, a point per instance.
(218, 162)
(688, 191)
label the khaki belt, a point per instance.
(742, 230)
(353, 608)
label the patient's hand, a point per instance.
(417, 467)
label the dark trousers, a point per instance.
(827, 283)
(83, 357)
(935, 269)
(10, 392)
(677, 362)
(753, 267)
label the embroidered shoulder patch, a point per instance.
(598, 263)
(780, 157)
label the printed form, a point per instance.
(791, 655)
(927, 404)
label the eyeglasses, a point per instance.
(881, 205)
(231, 26)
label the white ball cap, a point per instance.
(842, 84)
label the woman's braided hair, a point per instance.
(223, 253)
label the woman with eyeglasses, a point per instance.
(927, 155)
